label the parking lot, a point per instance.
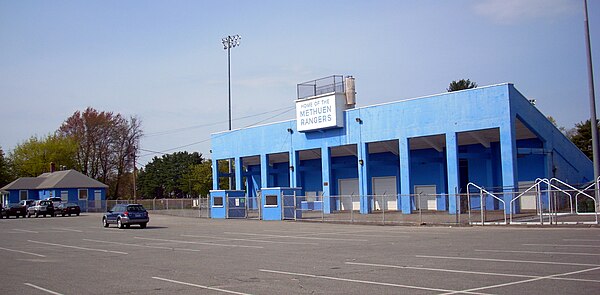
(178, 255)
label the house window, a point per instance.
(97, 195)
(83, 194)
(271, 200)
(64, 196)
(218, 202)
(23, 195)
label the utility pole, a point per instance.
(593, 119)
(134, 176)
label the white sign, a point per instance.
(319, 113)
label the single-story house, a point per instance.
(70, 185)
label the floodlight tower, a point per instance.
(228, 43)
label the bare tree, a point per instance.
(108, 144)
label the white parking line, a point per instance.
(26, 231)
(506, 260)
(199, 286)
(294, 237)
(24, 252)
(198, 243)
(524, 281)
(75, 247)
(42, 289)
(557, 245)
(539, 252)
(442, 270)
(363, 281)
(354, 234)
(68, 229)
(248, 240)
(581, 240)
(359, 231)
(467, 272)
(146, 246)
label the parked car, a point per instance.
(56, 201)
(124, 215)
(42, 207)
(27, 203)
(15, 209)
(2, 211)
(68, 209)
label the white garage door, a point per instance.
(347, 188)
(427, 199)
(386, 193)
(528, 200)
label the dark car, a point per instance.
(43, 207)
(15, 209)
(2, 211)
(56, 201)
(124, 215)
(68, 209)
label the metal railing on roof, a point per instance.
(331, 84)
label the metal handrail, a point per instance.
(579, 192)
(571, 187)
(536, 185)
(550, 207)
(593, 198)
(481, 191)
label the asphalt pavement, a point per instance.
(178, 255)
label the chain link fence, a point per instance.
(188, 207)
(545, 202)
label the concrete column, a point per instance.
(453, 171)
(326, 175)
(364, 179)
(508, 156)
(264, 171)
(238, 173)
(404, 157)
(215, 174)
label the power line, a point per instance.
(171, 131)
(150, 152)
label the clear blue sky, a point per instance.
(163, 61)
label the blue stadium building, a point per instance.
(434, 145)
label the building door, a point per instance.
(386, 193)
(97, 200)
(427, 199)
(348, 192)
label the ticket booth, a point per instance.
(227, 204)
(279, 203)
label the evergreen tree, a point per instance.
(168, 176)
(582, 137)
(461, 85)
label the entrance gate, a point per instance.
(236, 206)
(289, 208)
(253, 205)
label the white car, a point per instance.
(42, 207)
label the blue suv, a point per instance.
(124, 215)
